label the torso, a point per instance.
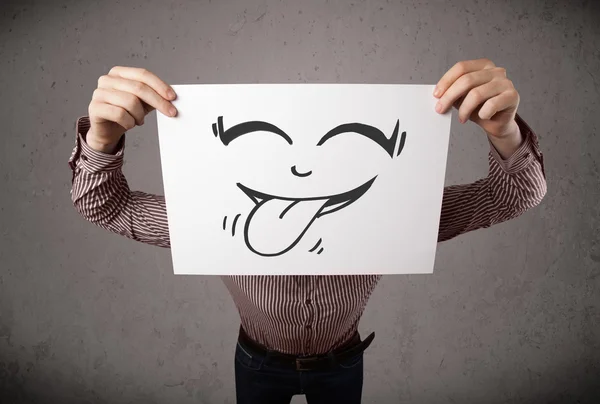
(301, 314)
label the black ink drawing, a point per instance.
(270, 211)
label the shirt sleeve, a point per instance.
(101, 194)
(512, 186)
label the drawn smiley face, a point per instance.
(291, 217)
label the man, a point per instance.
(298, 334)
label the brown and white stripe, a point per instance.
(302, 315)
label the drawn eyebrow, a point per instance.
(370, 132)
(227, 136)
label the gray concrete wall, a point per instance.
(511, 314)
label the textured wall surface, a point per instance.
(511, 314)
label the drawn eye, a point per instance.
(369, 132)
(227, 136)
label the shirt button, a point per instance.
(308, 327)
(84, 157)
(308, 301)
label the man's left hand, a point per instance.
(482, 93)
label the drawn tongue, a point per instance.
(274, 226)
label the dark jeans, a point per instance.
(258, 381)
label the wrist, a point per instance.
(508, 133)
(99, 146)
(509, 141)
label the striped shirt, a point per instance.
(302, 315)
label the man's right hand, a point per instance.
(123, 98)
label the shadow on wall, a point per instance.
(23, 384)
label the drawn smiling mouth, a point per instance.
(277, 223)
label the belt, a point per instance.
(306, 363)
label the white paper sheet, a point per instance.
(281, 179)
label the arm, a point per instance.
(101, 195)
(512, 186)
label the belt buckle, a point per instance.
(301, 361)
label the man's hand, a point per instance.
(123, 98)
(482, 93)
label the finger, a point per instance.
(140, 90)
(127, 101)
(461, 87)
(146, 77)
(100, 111)
(460, 69)
(505, 100)
(477, 96)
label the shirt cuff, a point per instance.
(524, 155)
(90, 160)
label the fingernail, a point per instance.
(436, 92)
(171, 94)
(438, 107)
(172, 111)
